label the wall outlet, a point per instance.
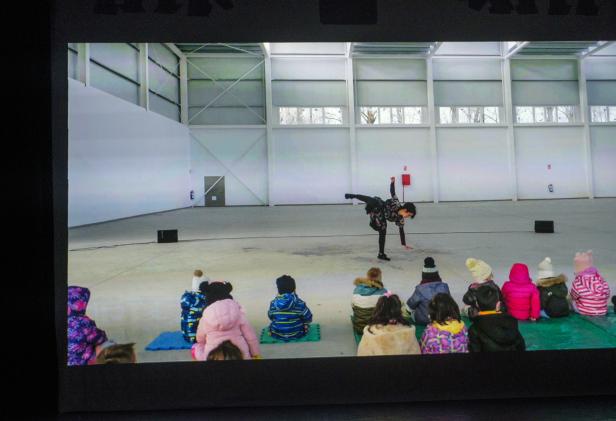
(551, 188)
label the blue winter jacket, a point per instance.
(421, 298)
(289, 315)
(192, 304)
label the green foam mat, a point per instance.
(607, 323)
(571, 332)
(313, 335)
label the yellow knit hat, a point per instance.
(479, 269)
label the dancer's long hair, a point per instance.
(388, 310)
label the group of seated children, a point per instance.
(493, 312)
(217, 325)
(87, 344)
(218, 328)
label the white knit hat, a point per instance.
(479, 269)
(198, 277)
(545, 269)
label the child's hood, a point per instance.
(453, 326)
(381, 330)
(285, 301)
(78, 298)
(223, 314)
(430, 289)
(555, 280)
(501, 328)
(519, 274)
(368, 288)
(367, 282)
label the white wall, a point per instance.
(473, 164)
(123, 160)
(311, 166)
(383, 152)
(243, 151)
(604, 160)
(563, 149)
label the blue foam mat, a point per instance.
(168, 341)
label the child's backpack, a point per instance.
(554, 300)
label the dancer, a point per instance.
(389, 210)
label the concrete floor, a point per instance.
(136, 287)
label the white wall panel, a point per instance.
(311, 166)
(389, 69)
(243, 151)
(600, 68)
(603, 143)
(123, 160)
(472, 48)
(560, 147)
(467, 69)
(473, 164)
(308, 68)
(383, 152)
(307, 48)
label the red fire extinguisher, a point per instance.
(406, 181)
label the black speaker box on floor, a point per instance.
(167, 236)
(544, 227)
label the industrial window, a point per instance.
(602, 114)
(546, 114)
(392, 115)
(469, 115)
(310, 115)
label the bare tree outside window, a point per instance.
(332, 115)
(369, 115)
(599, 114)
(565, 114)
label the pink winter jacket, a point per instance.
(521, 295)
(225, 321)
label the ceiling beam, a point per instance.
(600, 46)
(434, 48)
(175, 49)
(516, 49)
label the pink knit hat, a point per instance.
(582, 261)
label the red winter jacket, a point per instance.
(521, 295)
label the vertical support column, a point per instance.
(269, 116)
(144, 76)
(507, 97)
(433, 140)
(585, 117)
(183, 90)
(350, 83)
(83, 60)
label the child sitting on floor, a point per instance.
(590, 293)
(365, 295)
(492, 329)
(83, 335)
(223, 319)
(192, 304)
(290, 316)
(521, 295)
(225, 351)
(387, 332)
(553, 291)
(117, 354)
(430, 285)
(483, 278)
(447, 333)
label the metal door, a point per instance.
(215, 191)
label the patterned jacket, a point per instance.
(290, 317)
(590, 293)
(83, 335)
(451, 337)
(192, 304)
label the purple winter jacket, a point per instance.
(83, 335)
(444, 339)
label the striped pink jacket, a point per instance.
(590, 293)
